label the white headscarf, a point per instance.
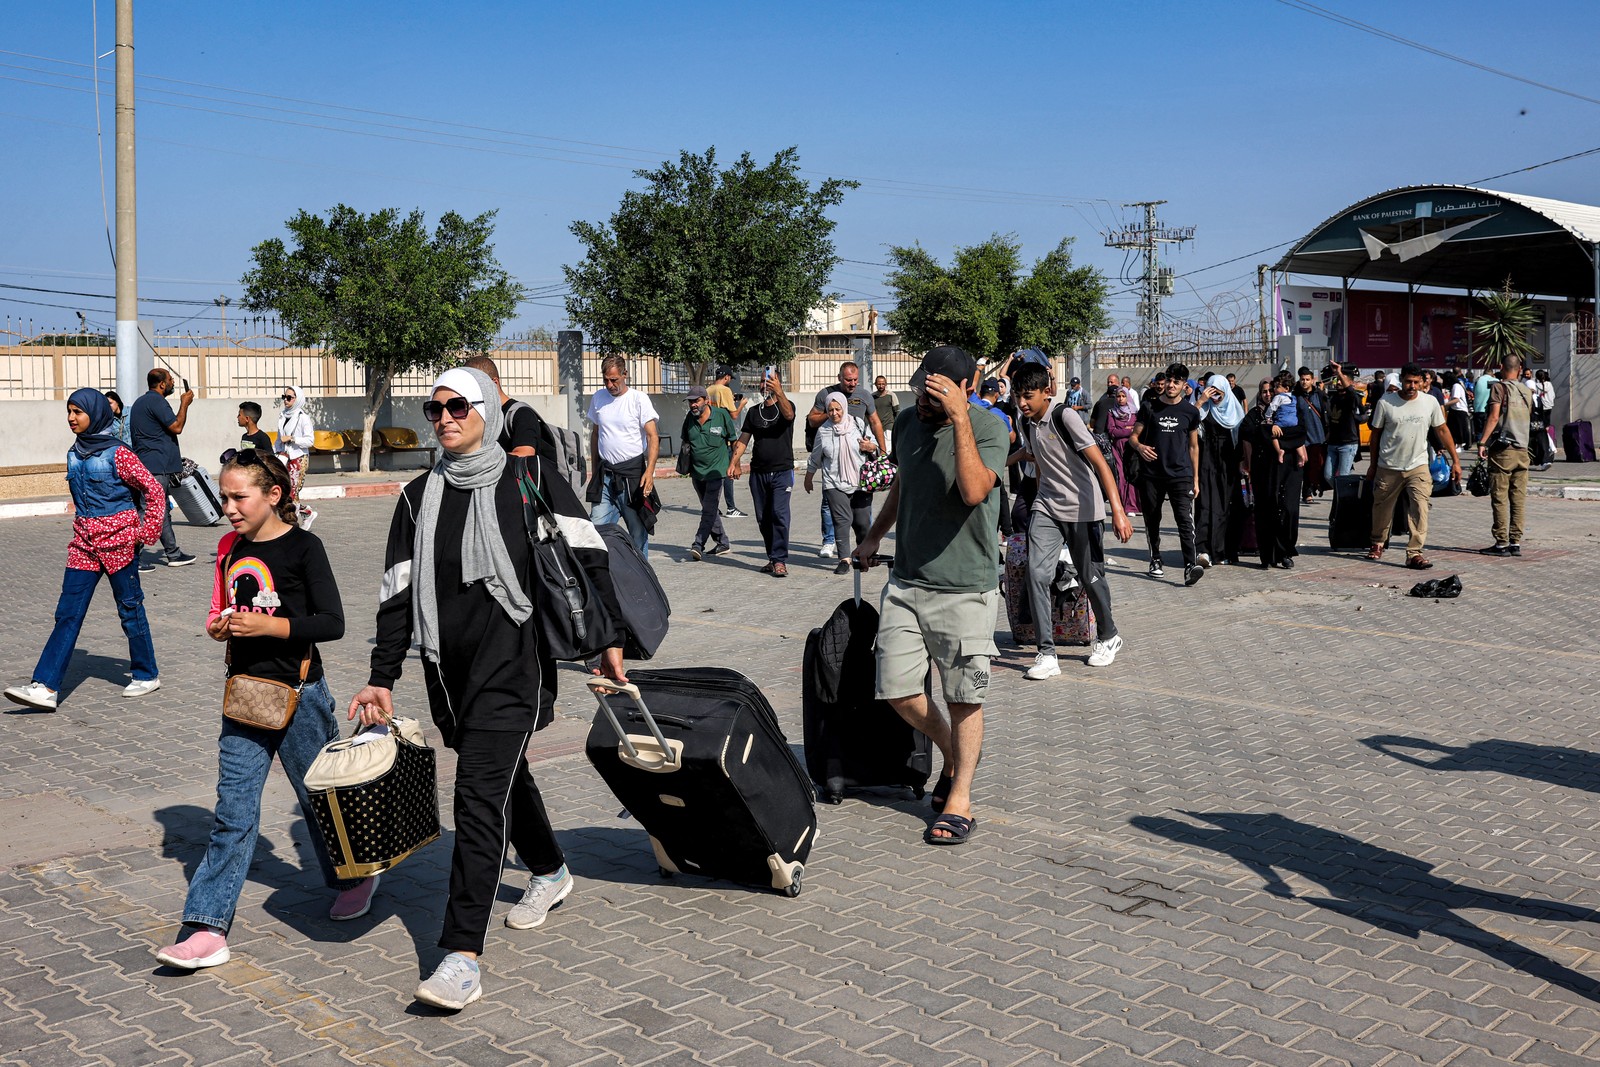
(292, 414)
(1227, 412)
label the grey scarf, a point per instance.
(483, 549)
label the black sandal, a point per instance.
(941, 792)
(959, 827)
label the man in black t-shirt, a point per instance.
(1167, 438)
(522, 427)
(770, 425)
(1341, 427)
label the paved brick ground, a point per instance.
(1303, 820)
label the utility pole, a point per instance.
(128, 383)
(1157, 279)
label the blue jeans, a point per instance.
(77, 589)
(827, 523)
(613, 507)
(770, 493)
(727, 492)
(244, 756)
(1341, 461)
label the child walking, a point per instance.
(274, 600)
(107, 530)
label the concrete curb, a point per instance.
(32, 509)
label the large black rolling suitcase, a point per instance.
(852, 739)
(1350, 521)
(196, 493)
(697, 757)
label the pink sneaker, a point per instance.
(203, 948)
(355, 901)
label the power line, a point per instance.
(1345, 20)
(1536, 166)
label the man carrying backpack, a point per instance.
(1074, 483)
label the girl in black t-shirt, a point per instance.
(273, 601)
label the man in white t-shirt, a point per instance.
(624, 442)
(1400, 425)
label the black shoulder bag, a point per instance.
(576, 622)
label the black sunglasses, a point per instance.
(457, 406)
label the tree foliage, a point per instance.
(987, 305)
(707, 265)
(381, 291)
(1502, 325)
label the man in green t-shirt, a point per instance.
(708, 433)
(940, 603)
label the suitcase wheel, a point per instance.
(833, 798)
(664, 872)
(918, 792)
(793, 888)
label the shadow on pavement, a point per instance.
(300, 901)
(1388, 889)
(1557, 765)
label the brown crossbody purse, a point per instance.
(261, 702)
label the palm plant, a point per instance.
(1501, 328)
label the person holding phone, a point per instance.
(768, 435)
(154, 428)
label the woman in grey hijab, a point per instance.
(456, 581)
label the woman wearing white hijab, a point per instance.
(456, 580)
(296, 434)
(838, 454)
(1220, 415)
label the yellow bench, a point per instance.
(403, 439)
(328, 443)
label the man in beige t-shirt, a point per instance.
(1400, 423)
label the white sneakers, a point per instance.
(544, 892)
(32, 695)
(141, 686)
(1101, 653)
(829, 551)
(1044, 666)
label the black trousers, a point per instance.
(1152, 491)
(496, 804)
(851, 511)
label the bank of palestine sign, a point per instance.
(1411, 224)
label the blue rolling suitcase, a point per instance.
(696, 755)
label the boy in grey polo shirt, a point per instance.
(1074, 483)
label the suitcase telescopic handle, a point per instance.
(600, 687)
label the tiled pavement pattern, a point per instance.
(1302, 821)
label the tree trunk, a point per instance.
(377, 390)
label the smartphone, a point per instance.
(770, 372)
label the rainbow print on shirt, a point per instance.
(250, 586)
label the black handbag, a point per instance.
(575, 623)
(1478, 480)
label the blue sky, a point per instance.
(1254, 120)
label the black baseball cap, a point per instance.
(952, 362)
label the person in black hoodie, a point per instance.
(457, 579)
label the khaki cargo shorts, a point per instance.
(955, 631)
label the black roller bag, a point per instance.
(852, 739)
(697, 757)
(1350, 521)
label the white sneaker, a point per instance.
(734, 513)
(542, 894)
(32, 695)
(453, 985)
(307, 517)
(828, 551)
(1044, 666)
(1103, 652)
(141, 686)
(1204, 559)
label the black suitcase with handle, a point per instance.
(852, 739)
(1350, 520)
(696, 755)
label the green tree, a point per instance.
(1502, 325)
(706, 265)
(984, 303)
(379, 290)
